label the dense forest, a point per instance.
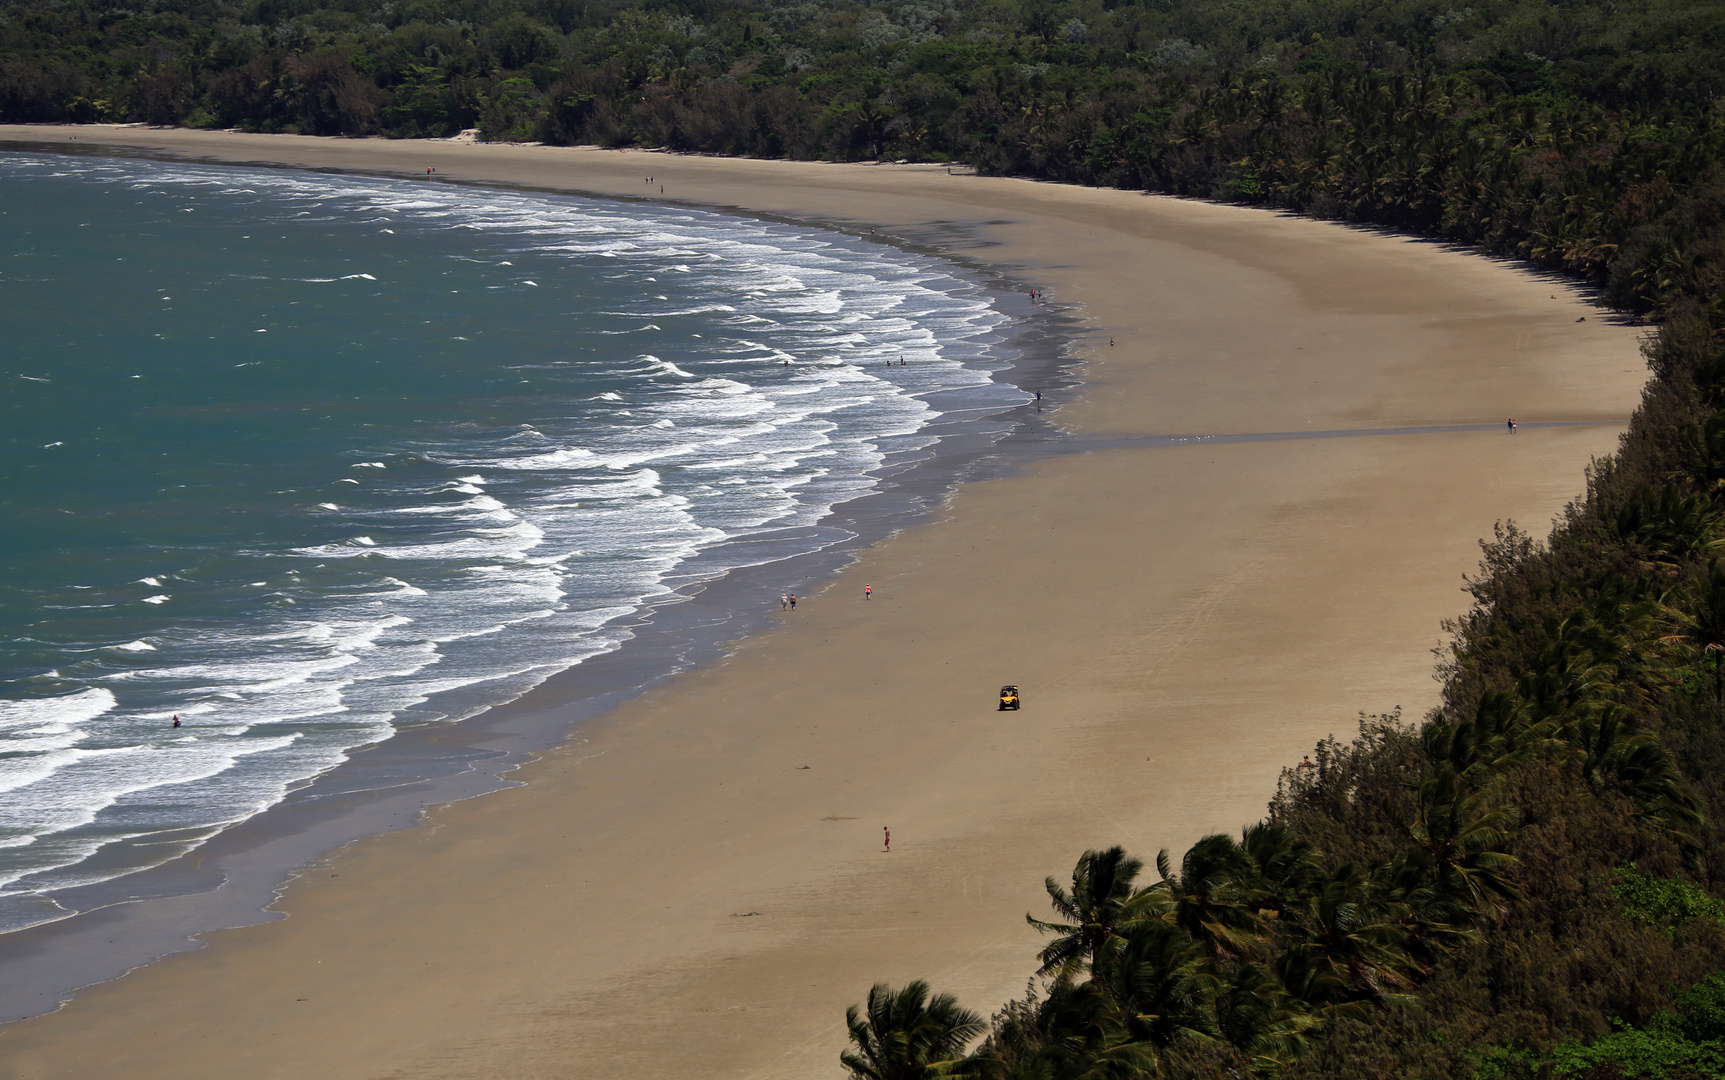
(1524, 883)
(1586, 136)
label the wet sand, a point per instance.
(674, 894)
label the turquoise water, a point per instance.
(302, 459)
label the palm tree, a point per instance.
(907, 1035)
(1348, 942)
(1259, 1017)
(1101, 900)
(1459, 832)
(1214, 896)
(1288, 865)
(1079, 1033)
(1636, 766)
(1500, 732)
(871, 119)
(1699, 620)
(1569, 670)
(1669, 524)
(1160, 986)
(1436, 920)
(1308, 976)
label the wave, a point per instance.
(63, 710)
(462, 564)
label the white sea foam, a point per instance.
(64, 710)
(427, 597)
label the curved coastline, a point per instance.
(1184, 618)
(233, 879)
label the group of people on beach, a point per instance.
(788, 601)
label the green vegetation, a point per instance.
(1684, 1044)
(1586, 137)
(906, 1035)
(1664, 902)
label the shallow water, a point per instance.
(306, 459)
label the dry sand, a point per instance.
(674, 895)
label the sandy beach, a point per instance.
(695, 885)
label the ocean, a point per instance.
(307, 461)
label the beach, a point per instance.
(695, 885)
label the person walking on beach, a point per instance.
(868, 591)
(1512, 425)
(888, 832)
(784, 601)
(793, 601)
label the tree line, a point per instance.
(1586, 137)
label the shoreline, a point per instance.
(1122, 586)
(233, 879)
